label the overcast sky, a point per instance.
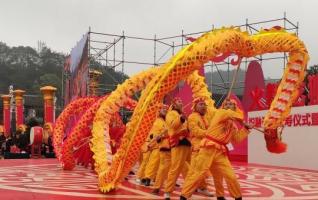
(61, 23)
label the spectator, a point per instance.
(2, 142)
(22, 139)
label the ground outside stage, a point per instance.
(44, 179)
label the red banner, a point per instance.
(254, 78)
(313, 89)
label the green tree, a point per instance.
(26, 69)
(312, 70)
(50, 79)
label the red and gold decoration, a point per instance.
(6, 114)
(192, 57)
(79, 135)
(156, 83)
(75, 108)
(76, 146)
(49, 110)
(18, 95)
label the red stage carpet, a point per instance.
(44, 179)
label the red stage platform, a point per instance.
(44, 179)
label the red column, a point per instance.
(18, 94)
(49, 109)
(6, 114)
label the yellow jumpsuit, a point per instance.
(212, 155)
(180, 154)
(158, 128)
(198, 125)
(145, 154)
(165, 161)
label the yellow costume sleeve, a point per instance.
(211, 110)
(158, 127)
(229, 114)
(242, 132)
(173, 120)
(194, 126)
(220, 116)
(239, 134)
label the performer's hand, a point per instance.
(183, 118)
(248, 125)
(158, 137)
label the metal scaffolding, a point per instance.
(113, 51)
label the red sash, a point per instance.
(174, 140)
(218, 142)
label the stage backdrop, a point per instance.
(300, 134)
(76, 65)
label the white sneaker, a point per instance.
(166, 195)
(205, 192)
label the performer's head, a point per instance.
(200, 106)
(1, 130)
(21, 128)
(163, 111)
(177, 104)
(48, 127)
(229, 104)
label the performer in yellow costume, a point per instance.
(198, 123)
(145, 155)
(180, 145)
(165, 161)
(212, 155)
(159, 128)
